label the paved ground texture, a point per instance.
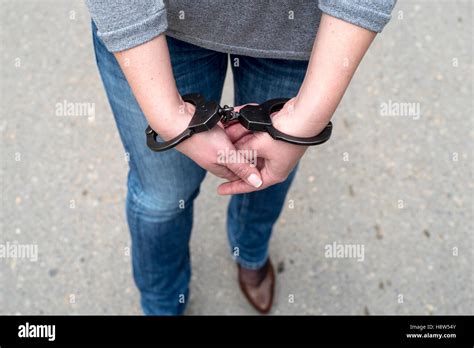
(399, 186)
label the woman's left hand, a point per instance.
(275, 159)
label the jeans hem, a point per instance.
(251, 264)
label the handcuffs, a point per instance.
(255, 118)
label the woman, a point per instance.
(150, 53)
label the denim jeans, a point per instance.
(163, 186)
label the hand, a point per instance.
(205, 148)
(276, 159)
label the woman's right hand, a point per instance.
(148, 70)
(208, 149)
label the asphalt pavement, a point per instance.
(395, 180)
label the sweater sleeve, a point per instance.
(123, 24)
(369, 14)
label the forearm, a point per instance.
(337, 52)
(148, 70)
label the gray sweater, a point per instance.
(260, 28)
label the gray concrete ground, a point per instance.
(401, 186)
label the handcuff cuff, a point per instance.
(255, 118)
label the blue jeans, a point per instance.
(163, 186)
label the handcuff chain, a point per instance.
(228, 114)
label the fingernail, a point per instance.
(254, 180)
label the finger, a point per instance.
(224, 173)
(235, 187)
(245, 169)
(236, 131)
(253, 143)
(239, 187)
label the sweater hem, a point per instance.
(239, 50)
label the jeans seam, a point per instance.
(243, 207)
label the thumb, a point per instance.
(244, 166)
(236, 131)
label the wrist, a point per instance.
(313, 115)
(301, 119)
(171, 118)
(316, 110)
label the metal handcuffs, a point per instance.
(255, 118)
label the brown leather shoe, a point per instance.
(258, 286)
